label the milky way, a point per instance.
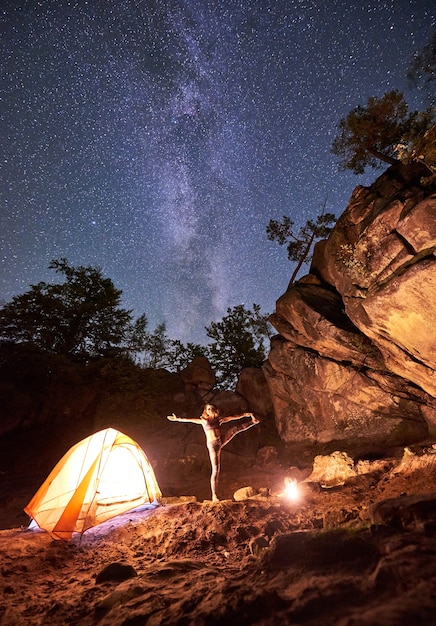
(156, 139)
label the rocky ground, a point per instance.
(332, 557)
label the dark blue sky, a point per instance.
(156, 139)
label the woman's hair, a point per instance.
(214, 407)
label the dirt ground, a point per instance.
(320, 560)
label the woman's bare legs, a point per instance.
(215, 453)
(234, 430)
(215, 463)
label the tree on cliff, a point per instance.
(237, 342)
(370, 135)
(80, 318)
(300, 245)
(384, 130)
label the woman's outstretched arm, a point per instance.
(173, 418)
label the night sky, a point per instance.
(156, 139)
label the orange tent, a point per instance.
(100, 477)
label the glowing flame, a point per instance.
(291, 490)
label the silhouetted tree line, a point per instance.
(81, 318)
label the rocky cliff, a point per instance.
(354, 362)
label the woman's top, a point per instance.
(211, 424)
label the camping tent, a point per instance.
(100, 477)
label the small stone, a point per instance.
(244, 493)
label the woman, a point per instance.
(215, 439)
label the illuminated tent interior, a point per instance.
(102, 476)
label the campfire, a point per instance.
(291, 490)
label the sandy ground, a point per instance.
(265, 560)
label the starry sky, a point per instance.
(155, 139)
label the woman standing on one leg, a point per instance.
(215, 439)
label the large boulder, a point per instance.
(320, 402)
(253, 387)
(355, 358)
(381, 259)
(198, 377)
(229, 402)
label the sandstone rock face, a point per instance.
(355, 358)
(229, 402)
(198, 376)
(253, 387)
